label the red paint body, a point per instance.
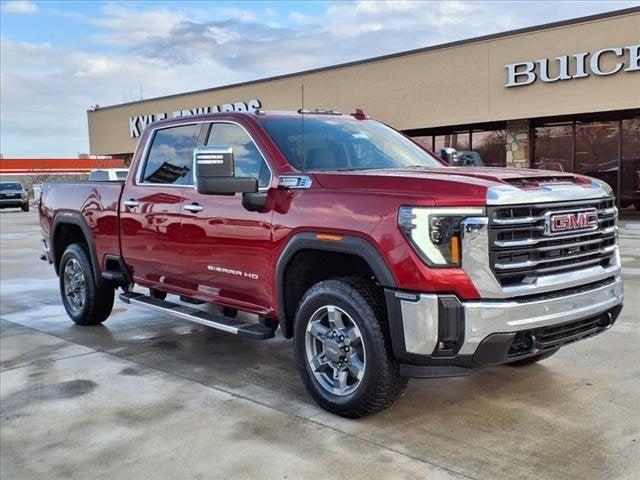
(167, 248)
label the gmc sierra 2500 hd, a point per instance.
(381, 261)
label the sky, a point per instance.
(58, 59)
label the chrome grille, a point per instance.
(520, 250)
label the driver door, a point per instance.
(227, 249)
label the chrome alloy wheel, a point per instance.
(75, 287)
(335, 351)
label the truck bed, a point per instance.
(93, 203)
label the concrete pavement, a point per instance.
(150, 396)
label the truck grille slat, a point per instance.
(522, 248)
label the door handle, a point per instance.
(193, 207)
(131, 203)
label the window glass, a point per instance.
(630, 179)
(553, 147)
(247, 159)
(425, 141)
(122, 174)
(597, 150)
(343, 143)
(10, 186)
(458, 140)
(439, 142)
(171, 156)
(98, 176)
(491, 146)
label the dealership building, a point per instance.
(561, 96)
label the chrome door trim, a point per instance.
(264, 158)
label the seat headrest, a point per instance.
(320, 159)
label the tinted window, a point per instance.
(98, 176)
(171, 155)
(122, 175)
(344, 144)
(247, 158)
(10, 186)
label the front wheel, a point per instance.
(25, 207)
(86, 302)
(343, 350)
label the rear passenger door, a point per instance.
(151, 206)
(227, 248)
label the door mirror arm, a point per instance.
(254, 202)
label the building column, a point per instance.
(517, 144)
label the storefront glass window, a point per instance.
(439, 143)
(554, 147)
(459, 140)
(630, 179)
(491, 146)
(597, 150)
(426, 141)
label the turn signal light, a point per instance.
(454, 247)
(329, 237)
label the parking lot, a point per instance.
(149, 396)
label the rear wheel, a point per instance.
(531, 360)
(342, 347)
(86, 302)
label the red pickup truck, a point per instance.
(381, 261)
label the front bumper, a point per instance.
(440, 330)
(12, 202)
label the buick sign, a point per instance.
(577, 65)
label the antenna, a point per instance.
(302, 153)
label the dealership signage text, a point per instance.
(138, 123)
(578, 65)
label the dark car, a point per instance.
(13, 195)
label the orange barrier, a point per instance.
(58, 166)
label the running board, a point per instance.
(225, 324)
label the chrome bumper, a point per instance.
(420, 319)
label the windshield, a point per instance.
(122, 174)
(339, 144)
(10, 186)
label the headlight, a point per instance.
(434, 233)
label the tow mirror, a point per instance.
(214, 172)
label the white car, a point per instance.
(108, 174)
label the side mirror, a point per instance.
(214, 172)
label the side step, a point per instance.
(229, 325)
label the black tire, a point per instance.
(381, 383)
(98, 301)
(159, 294)
(636, 203)
(229, 312)
(531, 360)
(25, 207)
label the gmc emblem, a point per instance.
(566, 222)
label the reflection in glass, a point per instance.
(597, 150)
(459, 140)
(553, 147)
(630, 179)
(425, 141)
(439, 143)
(491, 145)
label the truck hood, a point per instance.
(454, 185)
